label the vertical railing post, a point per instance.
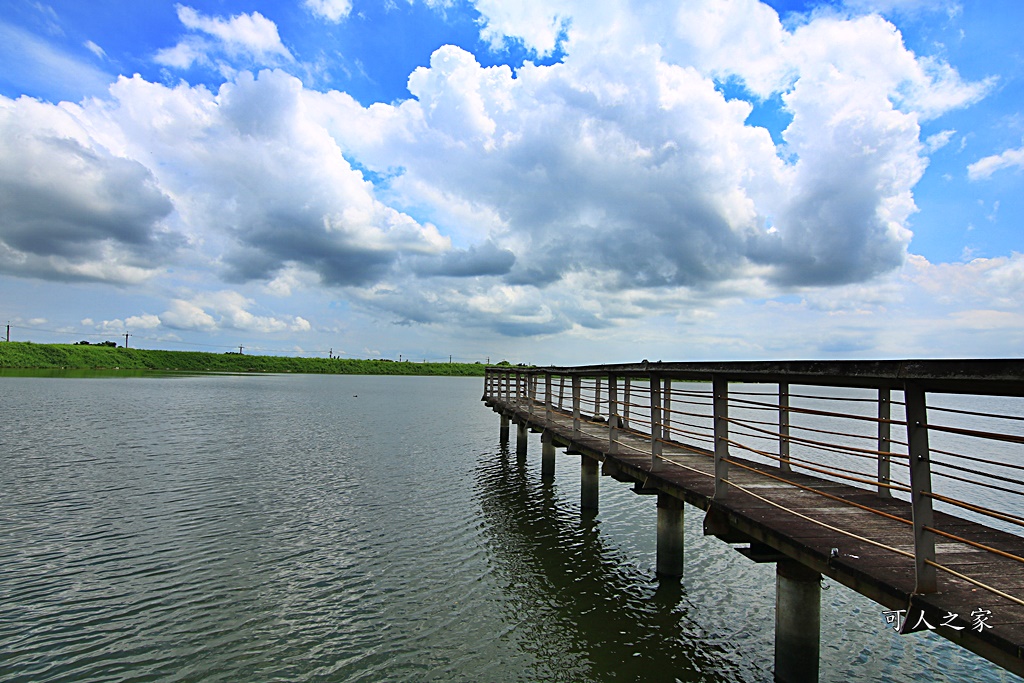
(531, 390)
(561, 391)
(575, 405)
(720, 389)
(597, 397)
(519, 387)
(884, 441)
(625, 404)
(613, 415)
(666, 410)
(547, 398)
(784, 463)
(655, 382)
(920, 487)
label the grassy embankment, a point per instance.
(74, 356)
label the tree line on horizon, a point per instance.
(107, 355)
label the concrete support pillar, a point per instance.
(503, 434)
(547, 462)
(522, 438)
(589, 478)
(670, 536)
(797, 622)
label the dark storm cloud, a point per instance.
(281, 238)
(476, 261)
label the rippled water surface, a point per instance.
(312, 528)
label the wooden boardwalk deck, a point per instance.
(830, 527)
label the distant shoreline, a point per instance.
(31, 356)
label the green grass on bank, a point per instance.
(28, 355)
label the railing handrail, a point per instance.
(997, 377)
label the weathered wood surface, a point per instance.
(829, 535)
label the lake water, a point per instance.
(345, 528)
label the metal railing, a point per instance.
(941, 435)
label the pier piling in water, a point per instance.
(670, 536)
(547, 463)
(590, 476)
(797, 622)
(503, 434)
(522, 438)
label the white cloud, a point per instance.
(332, 10)
(184, 315)
(252, 33)
(227, 310)
(95, 49)
(538, 24)
(985, 167)
(243, 36)
(939, 140)
(616, 185)
(145, 321)
(70, 208)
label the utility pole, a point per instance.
(399, 358)
(330, 354)
(8, 330)
(449, 359)
(126, 335)
(240, 347)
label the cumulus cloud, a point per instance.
(227, 310)
(538, 25)
(625, 143)
(185, 315)
(984, 168)
(146, 321)
(262, 183)
(69, 207)
(119, 327)
(617, 183)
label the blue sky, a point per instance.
(557, 182)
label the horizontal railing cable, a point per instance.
(990, 436)
(974, 413)
(978, 508)
(995, 487)
(813, 468)
(1009, 465)
(823, 445)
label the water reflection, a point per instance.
(582, 607)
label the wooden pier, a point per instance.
(903, 480)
